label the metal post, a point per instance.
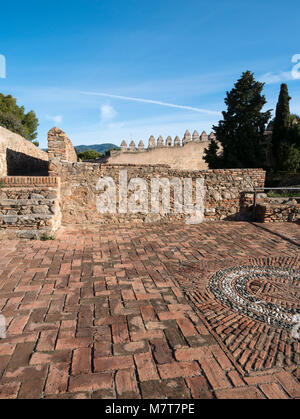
(254, 206)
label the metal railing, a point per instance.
(270, 188)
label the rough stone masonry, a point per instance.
(228, 193)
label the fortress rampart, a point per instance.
(179, 154)
(36, 206)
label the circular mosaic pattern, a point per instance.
(265, 293)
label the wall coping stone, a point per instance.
(29, 181)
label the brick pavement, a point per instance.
(105, 313)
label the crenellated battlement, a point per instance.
(168, 142)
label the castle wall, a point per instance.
(19, 156)
(35, 206)
(189, 156)
(185, 154)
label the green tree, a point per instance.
(286, 134)
(241, 131)
(107, 152)
(89, 155)
(282, 120)
(211, 155)
(14, 118)
(294, 118)
(12, 123)
(293, 136)
(289, 156)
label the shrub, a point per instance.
(89, 155)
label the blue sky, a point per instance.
(62, 56)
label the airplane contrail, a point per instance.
(155, 102)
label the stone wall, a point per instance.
(185, 154)
(19, 156)
(60, 146)
(29, 206)
(225, 191)
(270, 210)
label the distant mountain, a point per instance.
(101, 148)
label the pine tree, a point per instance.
(14, 118)
(282, 120)
(241, 131)
(211, 155)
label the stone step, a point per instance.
(25, 202)
(29, 233)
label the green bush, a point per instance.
(107, 152)
(289, 157)
(89, 155)
(283, 194)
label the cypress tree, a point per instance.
(282, 120)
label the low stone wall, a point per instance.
(272, 210)
(19, 156)
(225, 197)
(29, 207)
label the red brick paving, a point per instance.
(252, 344)
(98, 313)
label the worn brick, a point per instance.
(273, 391)
(21, 355)
(57, 380)
(146, 367)
(187, 327)
(58, 356)
(240, 393)
(81, 361)
(175, 388)
(120, 333)
(179, 369)
(199, 388)
(47, 340)
(215, 375)
(91, 382)
(9, 390)
(288, 382)
(113, 363)
(161, 351)
(126, 384)
(191, 354)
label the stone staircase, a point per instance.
(29, 207)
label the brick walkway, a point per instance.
(125, 313)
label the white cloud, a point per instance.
(107, 109)
(57, 119)
(271, 78)
(107, 112)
